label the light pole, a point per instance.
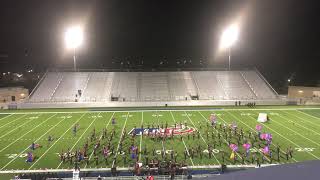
(229, 55)
(74, 60)
(74, 38)
(228, 38)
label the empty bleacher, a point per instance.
(181, 86)
(47, 87)
(152, 86)
(209, 85)
(98, 87)
(234, 85)
(124, 86)
(259, 86)
(69, 86)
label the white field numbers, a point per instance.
(304, 149)
(11, 156)
(245, 114)
(215, 151)
(65, 117)
(157, 115)
(34, 117)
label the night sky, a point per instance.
(279, 37)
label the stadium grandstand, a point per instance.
(175, 88)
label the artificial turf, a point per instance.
(290, 127)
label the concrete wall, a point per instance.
(145, 104)
(19, 93)
(3, 106)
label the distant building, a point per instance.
(304, 95)
(13, 94)
(303, 92)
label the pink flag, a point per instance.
(258, 127)
(246, 146)
(266, 136)
(233, 147)
(262, 136)
(265, 150)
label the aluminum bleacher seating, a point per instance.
(151, 86)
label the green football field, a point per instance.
(290, 127)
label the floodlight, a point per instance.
(229, 36)
(74, 37)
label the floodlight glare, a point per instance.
(74, 37)
(229, 36)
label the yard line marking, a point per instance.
(201, 135)
(56, 141)
(163, 148)
(295, 131)
(315, 124)
(141, 136)
(101, 136)
(29, 146)
(81, 136)
(115, 156)
(13, 121)
(276, 133)
(27, 133)
(222, 136)
(185, 146)
(268, 128)
(188, 152)
(5, 117)
(16, 127)
(315, 117)
(167, 110)
(299, 123)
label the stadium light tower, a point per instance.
(228, 38)
(73, 39)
